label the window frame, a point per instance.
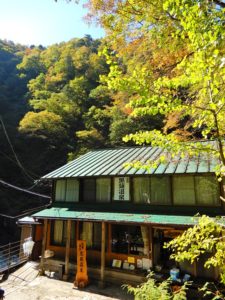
(170, 202)
(64, 230)
(196, 204)
(65, 191)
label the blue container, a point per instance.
(174, 274)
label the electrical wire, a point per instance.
(13, 161)
(22, 189)
(13, 151)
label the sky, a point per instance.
(43, 22)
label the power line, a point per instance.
(25, 213)
(13, 151)
(13, 161)
(23, 190)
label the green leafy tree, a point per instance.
(150, 290)
(45, 123)
(206, 237)
(174, 57)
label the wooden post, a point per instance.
(151, 244)
(102, 273)
(42, 270)
(195, 273)
(67, 256)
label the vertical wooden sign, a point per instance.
(81, 279)
(122, 188)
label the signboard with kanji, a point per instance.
(81, 277)
(122, 189)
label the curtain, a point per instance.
(60, 190)
(160, 190)
(103, 189)
(183, 190)
(89, 190)
(207, 190)
(58, 232)
(144, 233)
(141, 190)
(97, 236)
(72, 190)
(87, 234)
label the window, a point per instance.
(183, 190)
(160, 190)
(207, 190)
(196, 190)
(60, 190)
(103, 189)
(67, 190)
(142, 190)
(121, 189)
(72, 190)
(89, 190)
(152, 190)
(130, 240)
(92, 234)
(59, 233)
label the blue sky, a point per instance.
(43, 22)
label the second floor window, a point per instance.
(67, 190)
(196, 190)
(103, 189)
(152, 190)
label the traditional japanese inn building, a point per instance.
(125, 214)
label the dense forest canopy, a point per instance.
(54, 107)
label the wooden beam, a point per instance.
(44, 239)
(67, 256)
(103, 243)
(151, 242)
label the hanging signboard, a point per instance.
(122, 188)
(81, 277)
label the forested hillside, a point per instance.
(53, 108)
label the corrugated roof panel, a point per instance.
(97, 163)
(212, 164)
(203, 166)
(172, 166)
(109, 162)
(104, 164)
(92, 162)
(66, 167)
(83, 163)
(192, 166)
(161, 168)
(182, 166)
(65, 213)
(133, 156)
(155, 156)
(149, 156)
(119, 160)
(143, 156)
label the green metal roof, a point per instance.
(67, 213)
(110, 162)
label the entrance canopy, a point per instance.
(114, 217)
